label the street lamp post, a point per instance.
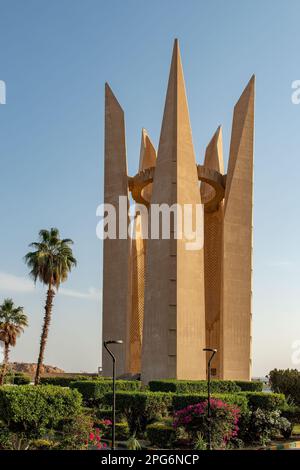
(119, 341)
(213, 351)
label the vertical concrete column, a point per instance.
(237, 243)
(116, 254)
(174, 321)
(213, 249)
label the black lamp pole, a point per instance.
(113, 444)
(213, 351)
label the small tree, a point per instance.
(12, 323)
(287, 382)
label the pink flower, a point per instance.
(92, 436)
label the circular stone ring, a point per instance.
(215, 179)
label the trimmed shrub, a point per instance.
(21, 379)
(291, 412)
(253, 386)
(122, 432)
(93, 391)
(33, 409)
(161, 435)
(17, 378)
(62, 381)
(264, 401)
(181, 401)
(141, 408)
(193, 386)
(287, 382)
(103, 414)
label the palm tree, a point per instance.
(50, 263)
(12, 323)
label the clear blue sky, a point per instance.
(55, 57)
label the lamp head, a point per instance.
(210, 350)
(113, 341)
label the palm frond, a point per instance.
(52, 260)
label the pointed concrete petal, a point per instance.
(115, 147)
(213, 228)
(174, 324)
(214, 152)
(213, 160)
(138, 260)
(147, 160)
(237, 243)
(116, 253)
(147, 152)
(242, 134)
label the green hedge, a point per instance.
(161, 435)
(122, 432)
(32, 409)
(193, 386)
(140, 408)
(17, 378)
(253, 386)
(264, 401)
(21, 379)
(93, 391)
(180, 401)
(103, 414)
(63, 381)
(292, 413)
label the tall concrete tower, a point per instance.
(174, 321)
(164, 301)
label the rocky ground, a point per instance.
(30, 368)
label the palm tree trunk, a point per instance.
(5, 362)
(44, 335)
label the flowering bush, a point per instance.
(262, 425)
(223, 419)
(96, 435)
(95, 440)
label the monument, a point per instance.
(165, 302)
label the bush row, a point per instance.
(244, 400)
(65, 381)
(181, 401)
(253, 386)
(195, 386)
(17, 378)
(93, 391)
(192, 386)
(142, 408)
(264, 401)
(169, 385)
